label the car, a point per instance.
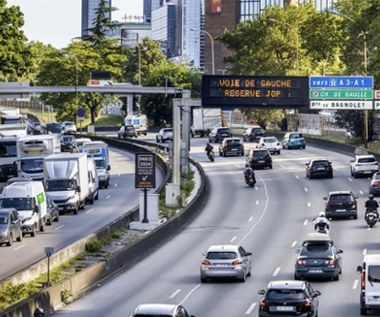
(69, 127)
(271, 143)
(341, 204)
(318, 258)
(157, 310)
(52, 212)
(10, 226)
(319, 168)
(218, 134)
(253, 133)
(127, 131)
(293, 140)
(259, 158)
(54, 127)
(165, 134)
(374, 184)
(364, 165)
(289, 298)
(231, 146)
(226, 261)
(36, 128)
(68, 143)
(81, 141)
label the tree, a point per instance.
(15, 56)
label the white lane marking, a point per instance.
(350, 179)
(175, 293)
(355, 285)
(115, 185)
(188, 294)
(364, 251)
(305, 222)
(108, 196)
(90, 210)
(282, 166)
(257, 202)
(233, 239)
(309, 204)
(361, 193)
(250, 308)
(60, 227)
(250, 219)
(296, 176)
(294, 244)
(276, 271)
(305, 189)
(19, 247)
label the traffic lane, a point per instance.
(262, 252)
(120, 197)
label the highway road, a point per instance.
(120, 197)
(270, 220)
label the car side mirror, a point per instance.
(248, 253)
(36, 210)
(359, 269)
(297, 251)
(352, 161)
(317, 293)
(339, 251)
(108, 167)
(261, 292)
(324, 198)
(78, 189)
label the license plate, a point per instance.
(233, 149)
(340, 210)
(284, 308)
(261, 161)
(315, 271)
(220, 264)
(320, 168)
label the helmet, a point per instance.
(246, 165)
(39, 312)
(371, 196)
(321, 214)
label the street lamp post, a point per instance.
(212, 49)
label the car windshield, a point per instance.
(374, 273)
(34, 165)
(221, 255)
(100, 164)
(340, 198)
(223, 131)
(284, 294)
(367, 160)
(3, 220)
(295, 136)
(270, 140)
(60, 184)
(18, 203)
(8, 149)
(259, 154)
(316, 250)
(233, 142)
(320, 164)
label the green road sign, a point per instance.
(341, 94)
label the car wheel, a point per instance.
(352, 173)
(310, 177)
(243, 278)
(296, 277)
(270, 166)
(278, 152)
(48, 221)
(336, 278)
(33, 233)
(56, 219)
(10, 240)
(331, 175)
(42, 227)
(203, 280)
(363, 311)
(19, 238)
(355, 216)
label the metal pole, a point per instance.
(48, 270)
(176, 140)
(145, 220)
(212, 52)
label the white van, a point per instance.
(140, 122)
(30, 201)
(93, 181)
(370, 283)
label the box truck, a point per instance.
(98, 150)
(8, 157)
(139, 121)
(31, 151)
(29, 199)
(204, 120)
(67, 180)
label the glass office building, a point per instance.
(89, 8)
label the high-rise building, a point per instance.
(89, 8)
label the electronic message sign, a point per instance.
(269, 92)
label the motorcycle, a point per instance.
(250, 180)
(371, 217)
(322, 227)
(211, 155)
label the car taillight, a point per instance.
(375, 184)
(206, 262)
(363, 280)
(307, 303)
(330, 262)
(301, 262)
(237, 262)
(264, 305)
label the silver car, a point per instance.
(10, 226)
(226, 261)
(155, 310)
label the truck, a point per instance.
(29, 198)
(139, 121)
(98, 150)
(204, 120)
(8, 157)
(31, 151)
(67, 180)
(12, 122)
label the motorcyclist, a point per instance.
(39, 312)
(371, 205)
(321, 221)
(209, 148)
(248, 173)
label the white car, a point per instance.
(69, 127)
(364, 165)
(271, 143)
(165, 310)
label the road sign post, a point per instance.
(81, 113)
(48, 252)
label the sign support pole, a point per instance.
(145, 220)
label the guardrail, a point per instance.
(51, 298)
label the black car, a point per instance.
(218, 134)
(289, 298)
(52, 213)
(54, 127)
(231, 146)
(253, 133)
(36, 128)
(319, 168)
(374, 185)
(127, 131)
(318, 259)
(68, 143)
(259, 158)
(341, 204)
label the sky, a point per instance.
(56, 22)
